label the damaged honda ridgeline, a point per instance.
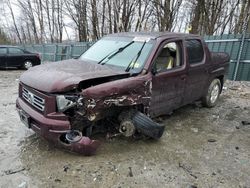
(117, 86)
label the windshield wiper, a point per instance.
(137, 57)
(113, 53)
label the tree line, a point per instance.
(49, 21)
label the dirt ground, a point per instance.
(201, 147)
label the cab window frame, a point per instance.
(203, 52)
(180, 44)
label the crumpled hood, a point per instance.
(64, 75)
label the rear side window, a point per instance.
(3, 51)
(15, 51)
(195, 51)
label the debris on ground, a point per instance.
(187, 169)
(58, 180)
(65, 168)
(23, 185)
(211, 140)
(245, 122)
(9, 172)
(195, 130)
(130, 172)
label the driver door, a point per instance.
(15, 57)
(168, 80)
(3, 54)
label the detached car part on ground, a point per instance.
(117, 87)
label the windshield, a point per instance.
(124, 52)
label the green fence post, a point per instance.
(71, 51)
(43, 52)
(244, 30)
(55, 53)
(239, 56)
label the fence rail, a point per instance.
(223, 43)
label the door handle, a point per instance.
(183, 77)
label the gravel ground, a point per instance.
(201, 147)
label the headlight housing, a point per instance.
(63, 103)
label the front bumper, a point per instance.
(52, 129)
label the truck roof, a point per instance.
(153, 35)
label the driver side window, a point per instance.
(169, 57)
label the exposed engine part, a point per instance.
(80, 101)
(63, 103)
(81, 113)
(127, 128)
(91, 103)
(110, 136)
(89, 131)
(126, 114)
(73, 136)
(80, 107)
(79, 122)
(147, 126)
(92, 117)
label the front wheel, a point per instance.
(213, 93)
(27, 65)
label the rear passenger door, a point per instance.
(3, 54)
(15, 57)
(197, 70)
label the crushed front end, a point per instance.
(46, 114)
(71, 119)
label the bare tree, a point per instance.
(144, 12)
(42, 21)
(27, 8)
(14, 21)
(244, 12)
(94, 20)
(3, 37)
(210, 17)
(39, 12)
(59, 20)
(77, 11)
(165, 12)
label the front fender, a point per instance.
(124, 92)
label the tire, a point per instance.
(28, 64)
(147, 126)
(213, 93)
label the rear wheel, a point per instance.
(27, 64)
(213, 93)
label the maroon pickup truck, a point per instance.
(117, 87)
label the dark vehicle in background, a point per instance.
(118, 86)
(11, 56)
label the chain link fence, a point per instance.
(238, 47)
(58, 52)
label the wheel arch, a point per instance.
(28, 59)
